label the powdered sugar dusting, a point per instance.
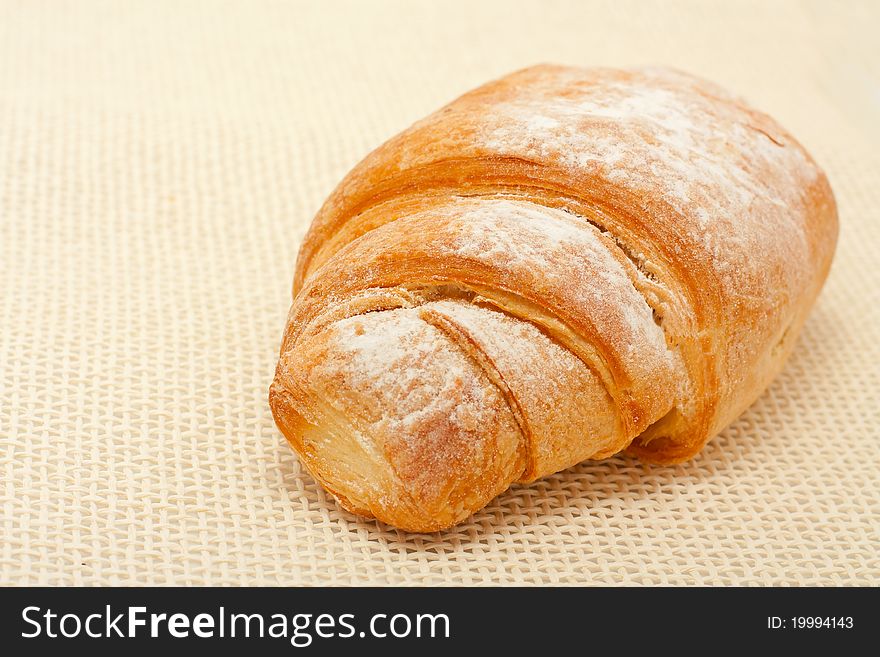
(640, 132)
(437, 416)
(653, 133)
(562, 256)
(394, 337)
(566, 408)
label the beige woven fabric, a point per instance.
(159, 163)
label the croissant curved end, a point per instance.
(396, 421)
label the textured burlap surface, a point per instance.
(159, 163)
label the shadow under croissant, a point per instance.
(582, 494)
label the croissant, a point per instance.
(560, 265)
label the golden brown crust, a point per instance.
(605, 259)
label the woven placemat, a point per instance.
(159, 163)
